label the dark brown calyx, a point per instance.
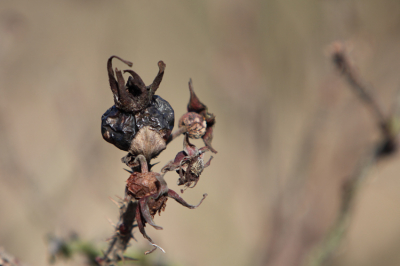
(134, 95)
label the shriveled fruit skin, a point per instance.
(159, 115)
(118, 127)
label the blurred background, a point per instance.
(288, 131)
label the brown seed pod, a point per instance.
(141, 185)
(194, 123)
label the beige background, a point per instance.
(288, 128)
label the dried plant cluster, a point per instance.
(142, 123)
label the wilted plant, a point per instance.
(141, 123)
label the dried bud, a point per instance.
(197, 107)
(194, 123)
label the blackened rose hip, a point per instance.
(138, 117)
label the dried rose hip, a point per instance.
(192, 123)
(152, 192)
(138, 118)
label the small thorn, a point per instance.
(131, 172)
(111, 222)
(115, 202)
(118, 197)
(109, 239)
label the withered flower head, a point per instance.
(189, 164)
(152, 192)
(139, 122)
(196, 106)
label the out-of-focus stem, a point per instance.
(123, 234)
(341, 61)
(349, 192)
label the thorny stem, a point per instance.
(123, 233)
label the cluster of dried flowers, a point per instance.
(141, 123)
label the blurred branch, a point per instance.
(341, 61)
(350, 187)
(67, 248)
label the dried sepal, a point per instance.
(144, 207)
(157, 80)
(195, 105)
(134, 95)
(111, 78)
(207, 138)
(179, 199)
(141, 225)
